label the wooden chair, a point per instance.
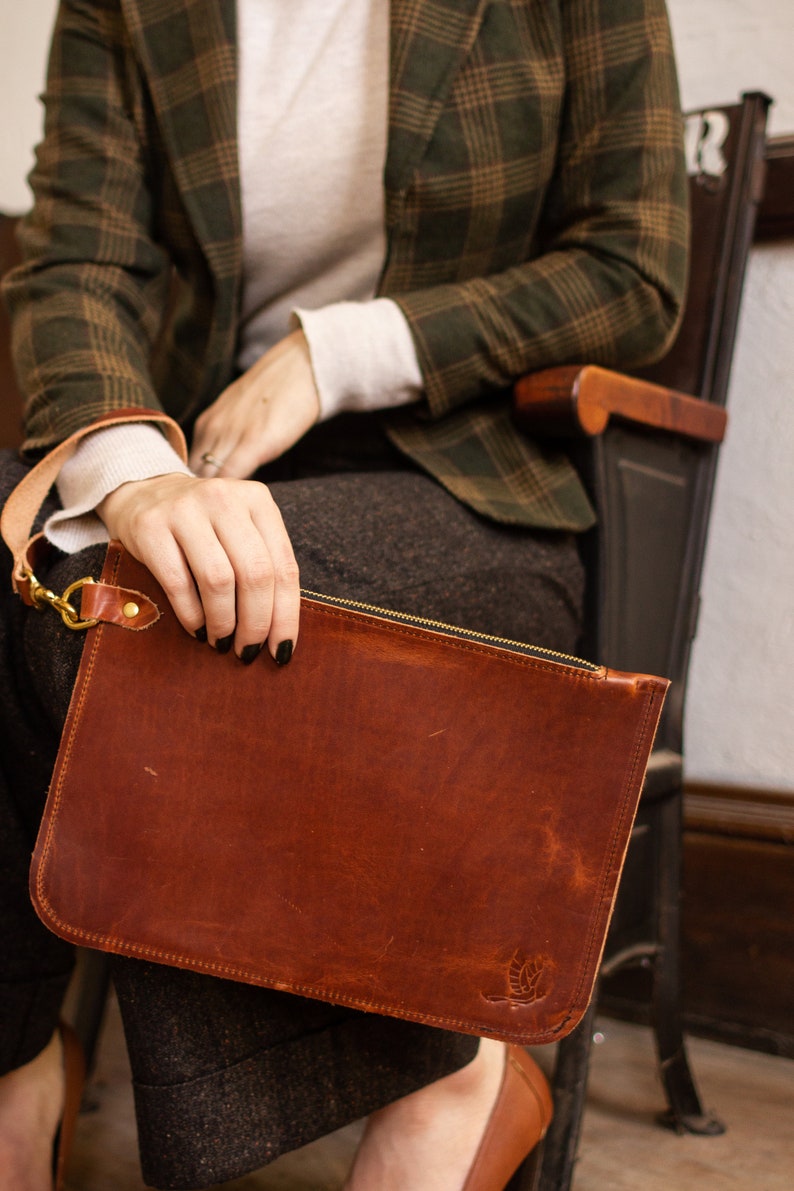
(647, 448)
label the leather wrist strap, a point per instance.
(100, 601)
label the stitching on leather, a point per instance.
(618, 822)
(74, 721)
(56, 791)
(475, 1025)
(229, 971)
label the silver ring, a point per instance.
(213, 460)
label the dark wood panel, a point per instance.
(738, 944)
(776, 212)
(737, 954)
(738, 948)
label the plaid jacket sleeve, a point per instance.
(547, 222)
(113, 267)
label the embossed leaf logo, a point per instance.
(525, 980)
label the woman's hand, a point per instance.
(217, 544)
(261, 415)
(219, 550)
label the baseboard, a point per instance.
(739, 811)
(737, 948)
(738, 890)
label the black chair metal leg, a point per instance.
(551, 1167)
(93, 984)
(685, 1112)
(528, 1172)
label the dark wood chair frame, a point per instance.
(647, 448)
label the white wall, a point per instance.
(739, 722)
(740, 727)
(727, 46)
(24, 33)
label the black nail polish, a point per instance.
(283, 653)
(224, 644)
(250, 652)
(201, 633)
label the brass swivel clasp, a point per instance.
(42, 597)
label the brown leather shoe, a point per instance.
(74, 1077)
(518, 1121)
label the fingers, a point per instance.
(248, 579)
(283, 632)
(222, 555)
(230, 459)
(209, 465)
(260, 415)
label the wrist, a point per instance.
(115, 502)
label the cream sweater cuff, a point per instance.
(363, 358)
(102, 462)
(362, 354)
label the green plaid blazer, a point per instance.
(535, 203)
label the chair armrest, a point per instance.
(576, 401)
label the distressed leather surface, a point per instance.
(398, 820)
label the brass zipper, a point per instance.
(539, 651)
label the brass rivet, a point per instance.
(130, 610)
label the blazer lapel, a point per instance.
(188, 52)
(429, 40)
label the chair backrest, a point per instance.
(725, 158)
(10, 401)
(653, 494)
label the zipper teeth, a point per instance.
(409, 618)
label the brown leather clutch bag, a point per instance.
(407, 819)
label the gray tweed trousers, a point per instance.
(228, 1076)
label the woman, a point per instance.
(326, 238)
